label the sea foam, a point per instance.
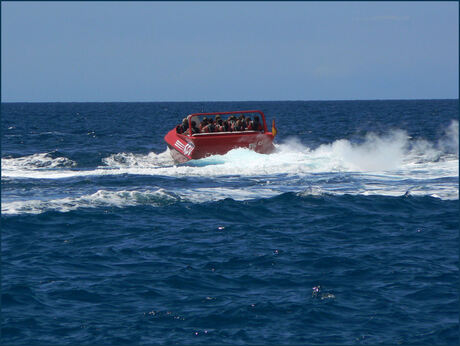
(101, 198)
(390, 164)
(36, 161)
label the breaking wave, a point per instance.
(392, 165)
(36, 161)
(125, 160)
(162, 197)
(395, 151)
(101, 198)
(131, 198)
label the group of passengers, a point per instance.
(209, 125)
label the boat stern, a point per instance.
(180, 146)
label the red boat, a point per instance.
(195, 143)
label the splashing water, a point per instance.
(391, 165)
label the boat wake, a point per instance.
(391, 153)
(390, 165)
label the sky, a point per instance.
(228, 51)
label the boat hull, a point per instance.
(197, 146)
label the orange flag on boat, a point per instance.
(274, 130)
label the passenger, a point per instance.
(203, 124)
(243, 122)
(218, 124)
(212, 122)
(248, 124)
(229, 124)
(256, 125)
(238, 126)
(220, 127)
(194, 128)
(232, 123)
(226, 126)
(210, 127)
(182, 127)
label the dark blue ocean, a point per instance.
(347, 234)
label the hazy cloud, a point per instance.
(383, 18)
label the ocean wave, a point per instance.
(389, 165)
(36, 162)
(312, 191)
(130, 198)
(101, 198)
(162, 197)
(151, 160)
(393, 151)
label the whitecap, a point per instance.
(101, 198)
(36, 161)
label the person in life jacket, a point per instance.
(234, 121)
(211, 127)
(248, 124)
(227, 126)
(229, 122)
(242, 120)
(218, 125)
(256, 125)
(203, 124)
(238, 126)
(182, 127)
(195, 129)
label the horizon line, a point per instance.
(298, 100)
